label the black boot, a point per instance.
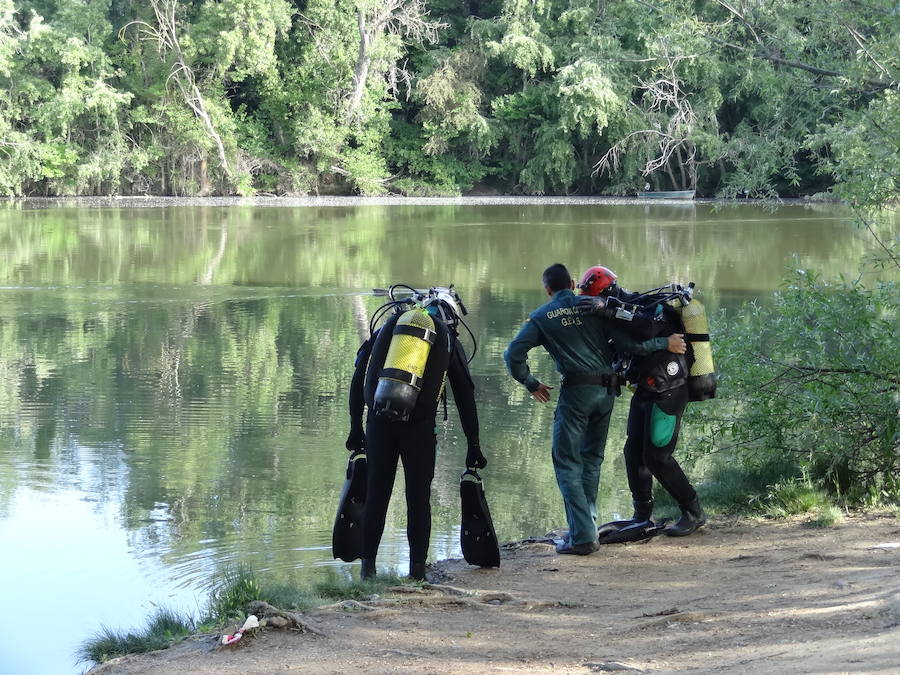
(692, 518)
(367, 571)
(417, 570)
(587, 548)
(642, 510)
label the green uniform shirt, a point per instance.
(578, 343)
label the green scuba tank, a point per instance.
(400, 380)
(702, 376)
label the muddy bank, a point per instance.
(735, 598)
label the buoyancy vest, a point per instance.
(662, 370)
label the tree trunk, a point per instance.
(691, 165)
(671, 174)
(361, 70)
(204, 177)
(681, 169)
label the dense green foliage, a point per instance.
(433, 96)
(812, 383)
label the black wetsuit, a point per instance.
(654, 418)
(413, 442)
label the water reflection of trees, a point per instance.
(503, 247)
(201, 379)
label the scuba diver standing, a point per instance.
(399, 375)
(664, 382)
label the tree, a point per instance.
(165, 34)
(670, 129)
(731, 97)
(376, 20)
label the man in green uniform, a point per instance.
(579, 345)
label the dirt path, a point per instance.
(751, 597)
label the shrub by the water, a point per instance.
(811, 382)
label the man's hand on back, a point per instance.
(542, 393)
(677, 345)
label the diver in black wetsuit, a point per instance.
(412, 440)
(658, 403)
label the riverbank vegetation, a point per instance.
(228, 602)
(188, 97)
(807, 407)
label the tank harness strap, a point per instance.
(696, 337)
(422, 333)
(611, 381)
(402, 376)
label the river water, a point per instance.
(174, 378)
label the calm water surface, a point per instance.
(173, 381)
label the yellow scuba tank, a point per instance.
(702, 377)
(400, 380)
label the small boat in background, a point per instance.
(669, 194)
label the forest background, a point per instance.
(757, 98)
(433, 97)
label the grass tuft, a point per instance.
(228, 600)
(339, 589)
(728, 489)
(292, 598)
(163, 628)
(794, 497)
(829, 516)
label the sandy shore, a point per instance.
(735, 598)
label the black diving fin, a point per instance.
(624, 531)
(346, 537)
(477, 536)
(611, 528)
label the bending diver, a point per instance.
(664, 382)
(399, 376)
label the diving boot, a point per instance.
(642, 510)
(692, 518)
(367, 571)
(417, 570)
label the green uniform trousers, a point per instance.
(580, 426)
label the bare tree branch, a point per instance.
(165, 35)
(407, 18)
(666, 98)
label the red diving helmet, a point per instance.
(597, 280)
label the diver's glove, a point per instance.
(475, 458)
(356, 440)
(595, 304)
(590, 304)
